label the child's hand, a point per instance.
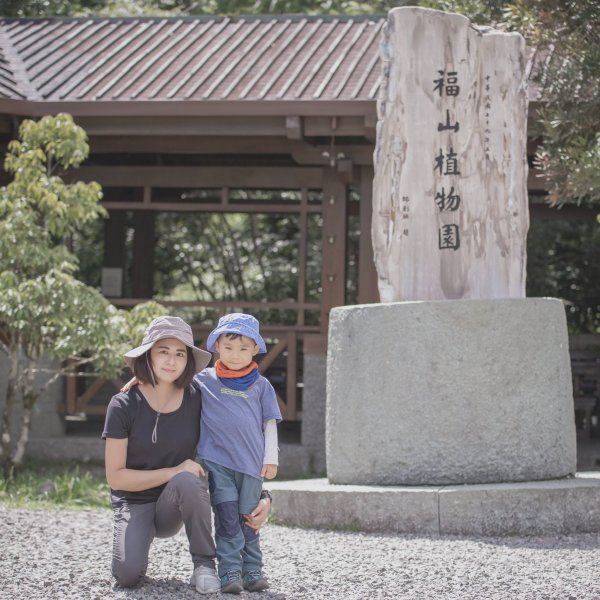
(268, 471)
(130, 384)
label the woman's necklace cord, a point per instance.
(154, 430)
(159, 411)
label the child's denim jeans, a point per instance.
(232, 495)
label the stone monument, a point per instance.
(450, 212)
(449, 405)
(461, 379)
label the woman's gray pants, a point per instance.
(184, 500)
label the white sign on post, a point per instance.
(450, 212)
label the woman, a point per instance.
(151, 434)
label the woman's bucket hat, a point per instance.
(169, 327)
(241, 324)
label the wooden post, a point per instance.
(143, 254)
(114, 239)
(291, 391)
(113, 266)
(450, 214)
(333, 270)
(303, 226)
(367, 275)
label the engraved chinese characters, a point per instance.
(450, 214)
(447, 165)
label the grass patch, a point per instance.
(41, 485)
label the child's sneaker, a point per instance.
(205, 579)
(255, 582)
(231, 583)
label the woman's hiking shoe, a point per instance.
(255, 582)
(206, 580)
(231, 583)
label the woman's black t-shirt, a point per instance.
(130, 416)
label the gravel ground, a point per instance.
(66, 554)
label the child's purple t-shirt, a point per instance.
(231, 433)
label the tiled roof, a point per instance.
(8, 79)
(183, 59)
(8, 85)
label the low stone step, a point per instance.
(549, 507)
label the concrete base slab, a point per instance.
(551, 507)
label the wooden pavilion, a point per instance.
(221, 104)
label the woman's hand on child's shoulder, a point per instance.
(268, 471)
(130, 384)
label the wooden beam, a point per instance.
(318, 126)
(189, 108)
(221, 304)
(301, 151)
(367, 275)
(89, 393)
(266, 124)
(186, 144)
(357, 154)
(565, 212)
(222, 126)
(284, 178)
(236, 207)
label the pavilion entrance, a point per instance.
(266, 240)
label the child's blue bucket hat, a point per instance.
(237, 323)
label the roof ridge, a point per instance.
(24, 85)
(284, 17)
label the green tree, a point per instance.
(482, 12)
(562, 262)
(45, 8)
(566, 34)
(229, 257)
(68, 8)
(45, 312)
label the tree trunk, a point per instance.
(450, 212)
(29, 398)
(6, 423)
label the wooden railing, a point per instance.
(282, 364)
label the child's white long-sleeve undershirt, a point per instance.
(271, 449)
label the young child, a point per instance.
(238, 446)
